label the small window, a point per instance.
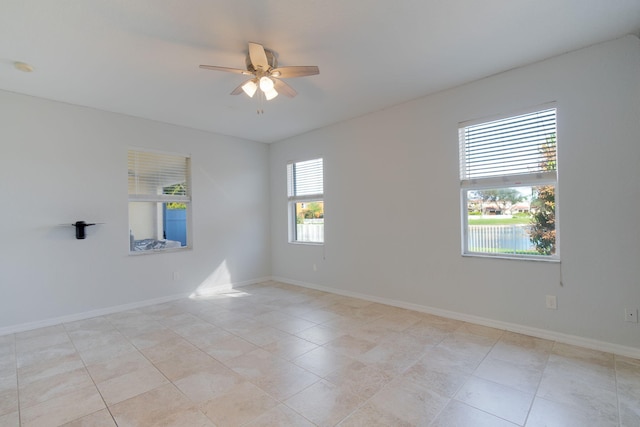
(159, 201)
(306, 201)
(508, 180)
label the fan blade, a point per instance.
(238, 90)
(299, 71)
(258, 56)
(283, 88)
(228, 70)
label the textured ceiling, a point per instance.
(141, 57)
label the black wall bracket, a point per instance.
(80, 226)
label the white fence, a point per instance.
(499, 239)
(310, 232)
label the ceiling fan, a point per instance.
(263, 66)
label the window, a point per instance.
(508, 180)
(306, 201)
(159, 201)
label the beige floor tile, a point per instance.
(97, 324)
(322, 361)
(531, 354)
(350, 346)
(238, 406)
(56, 336)
(442, 371)
(8, 401)
(7, 360)
(104, 353)
(432, 329)
(48, 368)
(280, 416)
(491, 334)
(152, 338)
(272, 318)
(185, 364)
(150, 408)
(40, 332)
(395, 353)
(123, 387)
(324, 403)
(168, 349)
(264, 335)
(315, 359)
(629, 412)
(501, 401)
(62, 409)
(397, 321)
(83, 339)
(257, 364)
(10, 420)
(409, 402)
(545, 413)
(319, 315)
(371, 332)
(459, 414)
(117, 366)
(229, 348)
(592, 357)
(286, 381)
(574, 385)
(205, 386)
(42, 354)
(510, 374)
(360, 379)
(100, 418)
(294, 325)
(290, 347)
(370, 415)
(320, 334)
(54, 386)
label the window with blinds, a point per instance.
(159, 200)
(305, 190)
(523, 144)
(508, 180)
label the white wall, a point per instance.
(396, 171)
(61, 163)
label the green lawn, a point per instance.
(477, 220)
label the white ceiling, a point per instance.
(141, 57)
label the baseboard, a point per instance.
(620, 350)
(115, 309)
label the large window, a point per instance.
(306, 201)
(508, 180)
(159, 201)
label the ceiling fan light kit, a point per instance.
(262, 65)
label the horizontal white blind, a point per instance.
(524, 144)
(158, 176)
(305, 178)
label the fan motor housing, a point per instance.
(271, 59)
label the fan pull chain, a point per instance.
(261, 101)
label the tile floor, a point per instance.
(278, 355)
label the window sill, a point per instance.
(517, 258)
(307, 243)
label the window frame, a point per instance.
(532, 179)
(293, 199)
(160, 199)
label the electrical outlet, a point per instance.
(631, 315)
(552, 302)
